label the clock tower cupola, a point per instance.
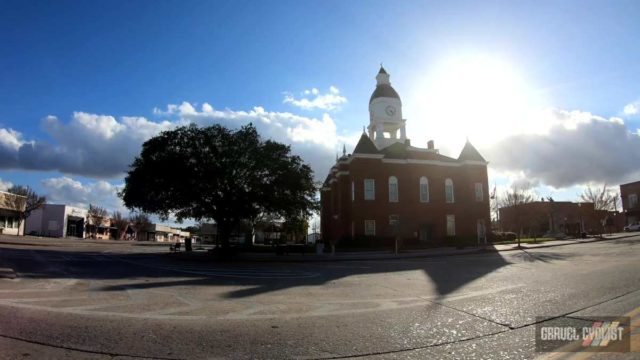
(386, 125)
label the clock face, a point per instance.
(390, 110)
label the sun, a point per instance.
(480, 97)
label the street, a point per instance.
(95, 301)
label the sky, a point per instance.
(548, 91)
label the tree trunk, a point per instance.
(224, 252)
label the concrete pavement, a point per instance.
(108, 301)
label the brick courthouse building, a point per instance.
(388, 188)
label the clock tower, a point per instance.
(386, 125)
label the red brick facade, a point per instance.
(345, 210)
(630, 195)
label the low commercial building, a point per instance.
(209, 233)
(11, 206)
(630, 207)
(102, 231)
(540, 218)
(164, 233)
(57, 220)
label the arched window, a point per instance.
(393, 189)
(448, 191)
(424, 189)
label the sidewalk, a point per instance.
(407, 254)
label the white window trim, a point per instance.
(478, 186)
(394, 181)
(366, 232)
(426, 182)
(373, 190)
(453, 232)
(453, 196)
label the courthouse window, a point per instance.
(353, 191)
(451, 225)
(370, 227)
(479, 193)
(369, 189)
(448, 190)
(424, 189)
(393, 189)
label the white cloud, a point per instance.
(315, 140)
(88, 144)
(5, 185)
(631, 109)
(65, 190)
(329, 101)
(577, 148)
(10, 139)
(103, 146)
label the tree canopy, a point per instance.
(220, 174)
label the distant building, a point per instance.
(313, 238)
(388, 188)
(57, 221)
(540, 218)
(103, 231)
(11, 205)
(629, 194)
(164, 233)
(209, 233)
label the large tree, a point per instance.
(120, 223)
(602, 198)
(28, 200)
(221, 174)
(141, 224)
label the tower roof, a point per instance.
(383, 86)
(469, 152)
(384, 90)
(365, 146)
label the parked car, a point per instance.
(632, 227)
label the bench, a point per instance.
(174, 247)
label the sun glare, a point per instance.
(481, 97)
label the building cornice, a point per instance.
(435, 162)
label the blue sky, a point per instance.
(83, 84)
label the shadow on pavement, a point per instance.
(447, 273)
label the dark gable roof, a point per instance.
(382, 70)
(326, 180)
(469, 152)
(395, 151)
(365, 146)
(384, 90)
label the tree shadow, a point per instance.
(158, 271)
(540, 256)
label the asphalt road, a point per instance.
(99, 301)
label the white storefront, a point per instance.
(57, 221)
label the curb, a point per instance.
(390, 256)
